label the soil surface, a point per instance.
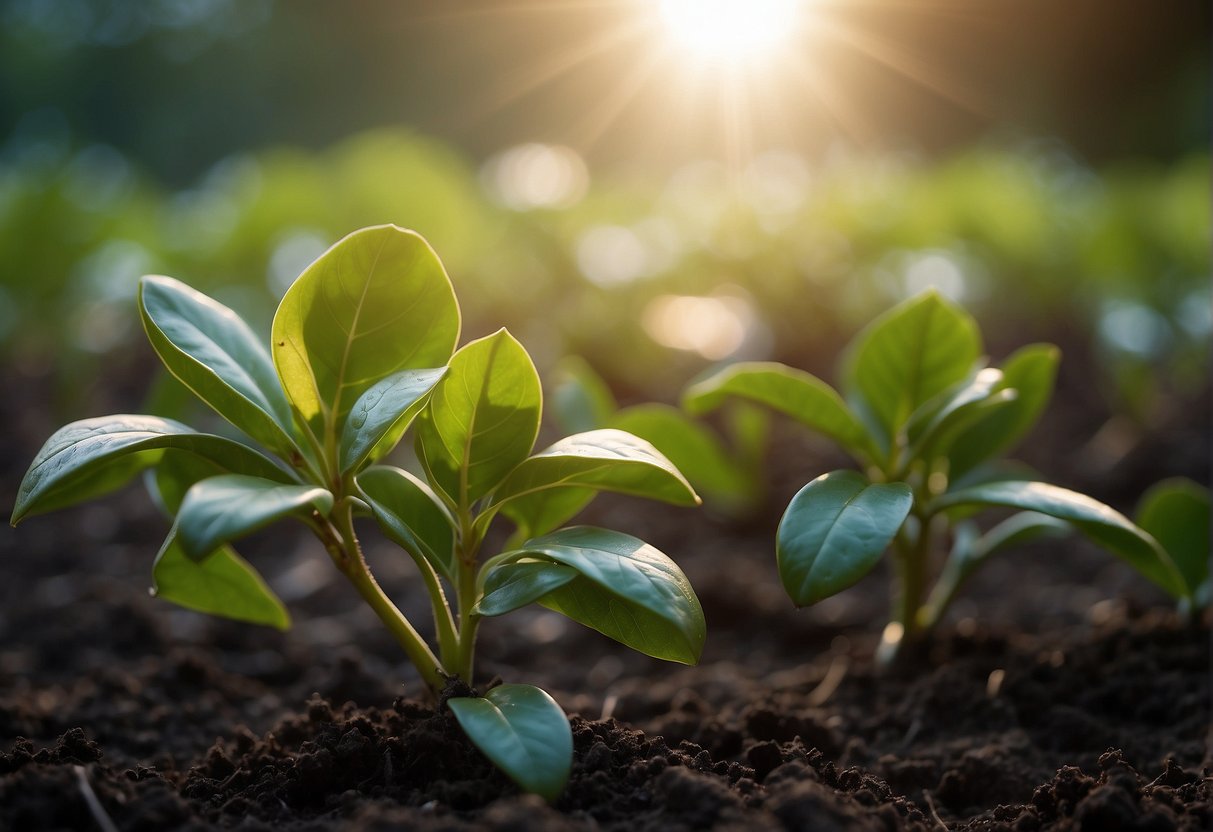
(1062, 692)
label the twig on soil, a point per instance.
(608, 706)
(94, 805)
(833, 678)
(934, 813)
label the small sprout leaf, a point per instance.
(223, 584)
(482, 419)
(382, 414)
(410, 515)
(834, 531)
(220, 509)
(524, 733)
(1176, 513)
(599, 460)
(377, 302)
(212, 351)
(511, 586)
(1104, 525)
(625, 589)
(795, 393)
(1030, 372)
(92, 457)
(908, 355)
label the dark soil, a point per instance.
(1061, 694)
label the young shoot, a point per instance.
(927, 421)
(362, 347)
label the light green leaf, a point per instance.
(220, 509)
(523, 732)
(580, 399)
(1104, 525)
(1176, 513)
(626, 590)
(174, 475)
(482, 419)
(513, 585)
(795, 393)
(212, 351)
(1031, 373)
(600, 460)
(693, 449)
(383, 413)
(410, 515)
(92, 457)
(223, 584)
(377, 302)
(908, 355)
(834, 531)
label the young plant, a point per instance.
(727, 473)
(361, 348)
(927, 421)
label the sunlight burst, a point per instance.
(730, 30)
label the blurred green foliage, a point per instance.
(650, 281)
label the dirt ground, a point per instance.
(1062, 693)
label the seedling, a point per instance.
(361, 348)
(926, 420)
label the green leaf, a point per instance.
(523, 732)
(834, 531)
(795, 393)
(908, 355)
(383, 413)
(1022, 527)
(410, 515)
(220, 509)
(224, 585)
(213, 352)
(693, 449)
(377, 302)
(1176, 513)
(600, 460)
(626, 590)
(174, 475)
(513, 585)
(482, 419)
(92, 457)
(580, 399)
(1031, 373)
(1104, 525)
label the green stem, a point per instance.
(911, 558)
(342, 545)
(467, 591)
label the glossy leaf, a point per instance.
(1023, 527)
(383, 413)
(1031, 373)
(1104, 525)
(795, 393)
(482, 419)
(514, 585)
(693, 449)
(213, 352)
(599, 460)
(523, 732)
(223, 584)
(411, 515)
(908, 355)
(834, 531)
(174, 475)
(377, 302)
(625, 589)
(91, 457)
(1176, 513)
(938, 415)
(220, 509)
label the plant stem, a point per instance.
(342, 545)
(911, 557)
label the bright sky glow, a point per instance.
(729, 30)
